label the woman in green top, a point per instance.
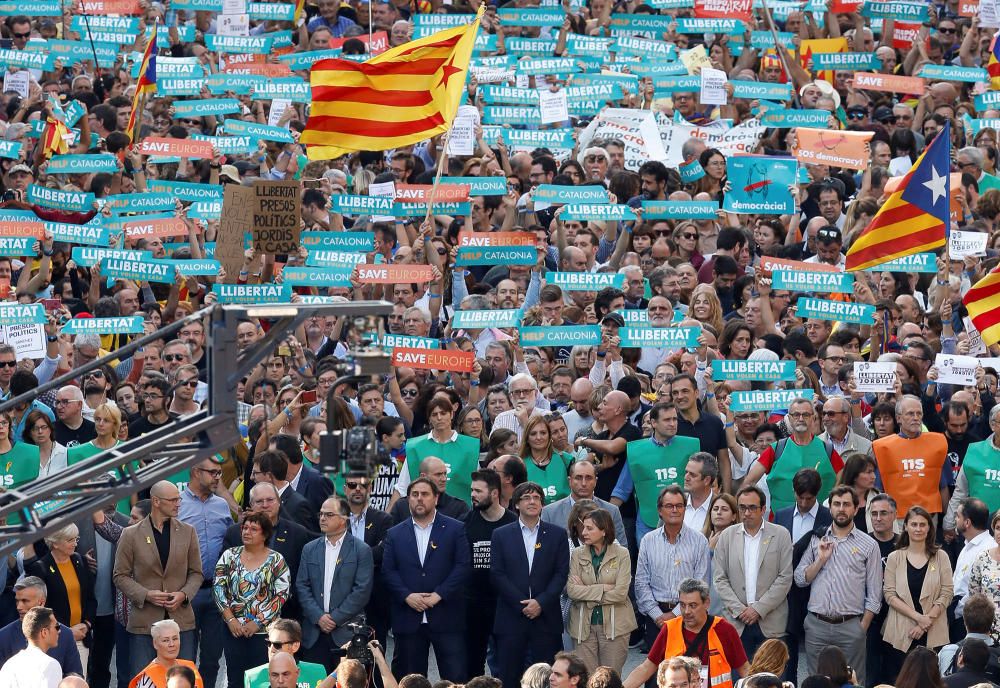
(459, 452)
(107, 422)
(19, 463)
(545, 465)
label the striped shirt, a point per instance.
(835, 590)
(662, 566)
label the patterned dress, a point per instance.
(252, 594)
(984, 578)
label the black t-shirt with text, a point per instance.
(479, 532)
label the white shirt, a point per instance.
(510, 421)
(30, 668)
(751, 554)
(423, 535)
(963, 566)
(695, 517)
(803, 523)
(358, 525)
(331, 559)
(530, 537)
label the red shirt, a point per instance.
(730, 639)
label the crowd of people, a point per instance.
(662, 443)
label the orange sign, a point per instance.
(230, 61)
(495, 239)
(379, 44)
(845, 6)
(967, 8)
(182, 148)
(421, 193)
(904, 33)
(22, 229)
(835, 148)
(164, 227)
(433, 359)
(111, 7)
(888, 83)
(769, 264)
(392, 274)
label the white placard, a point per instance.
(278, 106)
(522, 81)
(993, 363)
(462, 139)
(383, 189)
(713, 86)
(956, 370)
(988, 15)
(28, 340)
(234, 6)
(964, 244)
(874, 377)
(976, 344)
(17, 82)
(900, 166)
(492, 75)
(553, 106)
(233, 25)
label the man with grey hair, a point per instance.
(701, 480)
(718, 647)
(71, 428)
(30, 592)
(971, 160)
(596, 162)
(837, 427)
(977, 477)
(416, 322)
(86, 348)
(635, 286)
(524, 395)
(32, 667)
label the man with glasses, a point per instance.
(370, 526)
(838, 430)
(185, 385)
(153, 398)
(752, 572)
(913, 464)
(71, 428)
(524, 394)
(970, 160)
(782, 460)
(8, 364)
(828, 244)
(206, 512)
(158, 568)
(882, 509)
(334, 583)
(283, 635)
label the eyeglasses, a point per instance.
(352, 485)
(800, 415)
(21, 35)
(673, 507)
(940, 30)
(888, 120)
(328, 514)
(216, 473)
(169, 358)
(278, 644)
(521, 392)
(40, 426)
(150, 396)
(409, 392)
(748, 508)
(63, 402)
(834, 413)
(836, 359)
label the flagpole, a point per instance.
(780, 50)
(442, 161)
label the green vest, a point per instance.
(982, 471)
(19, 465)
(310, 676)
(792, 459)
(653, 468)
(461, 457)
(85, 451)
(552, 477)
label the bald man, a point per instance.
(73, 682)
(609, 447)
(436, 471)
(158, 568)
(283, 671)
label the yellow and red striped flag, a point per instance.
(405, 95)
(299, 6)
(145, 84)
(983, 304)
(54, 138)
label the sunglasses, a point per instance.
(278, 644)
(28, 35)
(409, 392)
(188, 383)
(940, 30)
(689, 236)
(173, 357)
(350, 485)
(8, 364)
(888, 120)
(856, 115)
(828, 234)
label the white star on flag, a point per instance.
(936, 185)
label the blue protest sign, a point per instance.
(567, 335)
(585, 281)
(10, 149)
(758, 371)
(63, 200)
(767, 400)
(13, 313)
(237, 127)
(691, 171)
(136, 270)
(82, 164)
(757, 90)
(496, 255)
(839, 311)
(855, 62)
(204, 108)
(141, 202)
(815, 282)
(409, 342)
(796, 118)
(316, 277)
(594, 211)
(339, 241)
(508, 95)
(679, 210)
(673, 337)
(557, 193)
(501, 114)
(131, 324)
(480, 186)
(476, 320)
(252, 293)
(186, 191)
(918, 262)
(760, 184)
(242, 45)
(938, 72)
(88, 234)
(89, 256)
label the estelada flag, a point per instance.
(145, 84)
(405, 95)
(993, 64)
(914, 219)
(54, 138)
(983, 304)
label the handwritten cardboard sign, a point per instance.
(277, 207)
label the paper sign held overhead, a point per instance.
(875, 377)
(956, 370)
(276, 212)
(962, 244)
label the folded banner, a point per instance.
(409, 342)
(131, 324)
(836, 148)
(476, 320)
(340, 241)
(760, 184)
(252, 293)
(839, 311)
(567, 335)
(22, 314)
(394, 274)
(817, 282)
(760, 371)
(767, 400)
(496, 255)
(672, 337)
(585, 281)
(430, 359)
(495, 239)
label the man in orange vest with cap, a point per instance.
(696, 634)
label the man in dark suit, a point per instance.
(327, 611)
(529, 565)
(801, 520)
(370, 525)
(425, 568)
(306, 480)
(30, 592)
(288, 539)
(272, 467)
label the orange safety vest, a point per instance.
(720, 674)
(155, 675)
(911, 469)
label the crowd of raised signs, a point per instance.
(636, 401)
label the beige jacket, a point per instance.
(616, 569)
(937, 588)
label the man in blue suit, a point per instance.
(425, 566)
(347, 563)
(529, 565)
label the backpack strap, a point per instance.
(779, 448)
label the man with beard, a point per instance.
(975, 479)
(71, 428)
(580, 417)
(155, 394)
(661, 314)
(843, 566)
(562, 383)
(486, 516)
(838, 431)
(782, 460)
(959, 431)
(507, 294)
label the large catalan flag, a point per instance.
(993, 64)
(405, 95)
(983, 304)
(914, 219)
(145, 84)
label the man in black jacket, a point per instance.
(272, 467)
(972, 661)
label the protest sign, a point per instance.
(35, 230)
(496, 255)
(277, 208)
(502, 317)
(594, 211)
(679, 210)
(635, 128)
(424, 193)
(495, 239)
(252, 293)
(28, 340)
(480, 186)
(462, 140)
(674, 337)
(235, 223)
(713, 86)
(316, 277)
(842, 311)
(553, 106)
(848, 149)
(22, 313)
(771, 400)
(963, 243)
(131, 324)
(918, 262)
(324, 258)
(977, 346)
(585, 281)
(760, 184)
(874, 377)
(956, 370)
(171, 226)
(820, 282)
(738, 140)
(393, 274)
(889, 83)
(763, 371)
(557, 193)
(431, 359)
(740, 9)
(565, 335)
(409, 342)
(339, 241)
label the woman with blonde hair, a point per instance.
(107, 423)
(706, 307)
(545, 465)
(771, 658)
